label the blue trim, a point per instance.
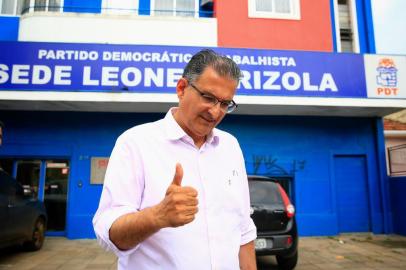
(41, 182)
(14, 169)
(89, 6)
(365, 26)
(206, 11)
(361, 26)
(144, 7)
(55, 233)
(9, 28)
(333, 25)
(370, 27)
(383, 177)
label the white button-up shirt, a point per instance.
(140, 170)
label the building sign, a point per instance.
(155, 69)
(385, 76)
(98, 169)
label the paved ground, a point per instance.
(352, 251)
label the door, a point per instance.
(352, 193)
(55, 193)
(47, 179)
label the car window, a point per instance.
(264, 192)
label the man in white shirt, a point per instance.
(175, 195)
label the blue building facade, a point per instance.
(323, 139)
(329, 163)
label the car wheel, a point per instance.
(287, 263)
(38, 236)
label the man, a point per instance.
(175, 194)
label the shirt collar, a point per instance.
(175, 132)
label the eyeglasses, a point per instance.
(225, 105)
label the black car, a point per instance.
(274, 217)
(23, 218)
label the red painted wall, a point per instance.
(313, 32)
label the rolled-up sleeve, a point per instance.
(122, 191)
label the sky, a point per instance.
(389, 19)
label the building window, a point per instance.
(41, 5)
(120, 7)
(11, 7)
(274, 9)
(183, 8)
(346, 26)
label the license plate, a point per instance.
(260, 243)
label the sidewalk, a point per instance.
(350, 251)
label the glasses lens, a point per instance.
(209, 99)
(231, 107)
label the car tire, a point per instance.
(287, 263)
(38, 236)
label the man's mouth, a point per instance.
(209, 120)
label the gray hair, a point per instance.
(223, 65)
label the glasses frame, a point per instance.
(231, 105)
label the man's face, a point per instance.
(197, 117)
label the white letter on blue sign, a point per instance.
(18, 74)
(307, 86)
(3, 75)
(136, 74)
(62, 75)
(41, 74)
(327, 82)
(296, 81)
(86, 77)
(157, 78)
(110, 76)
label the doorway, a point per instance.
(350, 172)
(46, 180)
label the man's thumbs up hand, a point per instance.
(177, 179)
(180, 203)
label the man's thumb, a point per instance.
(177, 179)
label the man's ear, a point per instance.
(180, 87)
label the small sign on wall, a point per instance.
(385, 76)
(98, 169)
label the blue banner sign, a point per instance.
(155, 69)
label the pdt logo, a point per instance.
(387, 77)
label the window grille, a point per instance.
(184, 8)
(11, 7)
(397, 160)
(274, 9)
(41, 5)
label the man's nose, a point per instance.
(215, 110)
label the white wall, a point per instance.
(118, 29)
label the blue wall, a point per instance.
(398, 191)
(302, 148)
(9, 28)
(88, 6)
